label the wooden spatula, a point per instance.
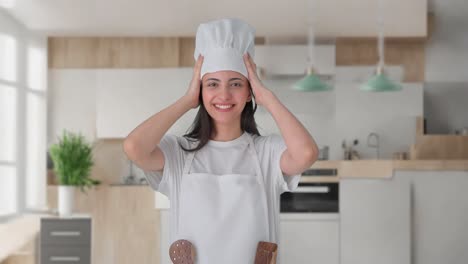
(266, 253)
(182, 252)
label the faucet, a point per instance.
(375, 144)
(130, 178)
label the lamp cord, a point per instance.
(380, 22)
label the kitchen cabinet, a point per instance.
(439, 215)
(65, 240)
(375, 221)
(125, 225)
(309, 238)
(289, 60)
(127, 97)
(165, 226)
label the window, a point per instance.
(8, 126)
(23, 99)
(6, 3)
(35, 129)
(8, 54)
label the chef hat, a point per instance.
(222, 43)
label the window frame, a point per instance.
(24, 46)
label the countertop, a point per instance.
(127, 184)
(17, 233)
(369, 168)
(380, 168)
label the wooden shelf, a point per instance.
(435, 146)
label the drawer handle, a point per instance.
(61, 258)
(65, 233)
(313, 189)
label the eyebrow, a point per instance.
(232, 79)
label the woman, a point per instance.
(223, 179)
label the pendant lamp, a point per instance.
(379, 82)
(311, 82)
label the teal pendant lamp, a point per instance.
(379, 82)
(311, 82)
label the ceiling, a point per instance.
(332, 18)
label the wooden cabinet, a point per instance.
(125, 222)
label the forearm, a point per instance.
(147, 135)
(300, 144)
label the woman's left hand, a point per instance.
(260, 91)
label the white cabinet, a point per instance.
(440, 216)
(375, 221)
(164, 236)
(309, 238)
(127, 97)
(291, 60)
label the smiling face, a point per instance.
(225, 94)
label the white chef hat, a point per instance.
(222, 43)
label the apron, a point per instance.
(224, 216)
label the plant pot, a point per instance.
(66, 195)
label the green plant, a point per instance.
(72, 158)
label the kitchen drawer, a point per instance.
(309, 238)
(65, 254)
(65, 231)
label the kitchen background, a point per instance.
(84, 96)
(103, 75)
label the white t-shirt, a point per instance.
(212, 159)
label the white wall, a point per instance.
(447, 49)
(446, 68)
(445, 107)
(344, 113)
(348, 113)
(72, 103)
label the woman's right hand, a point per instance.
(193, 93)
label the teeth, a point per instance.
(223, 106)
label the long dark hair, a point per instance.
(202, 127)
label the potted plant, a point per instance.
(72, 158)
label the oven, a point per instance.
(310, 220)
(311, 198)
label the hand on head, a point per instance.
(193, 92)
(258, 89)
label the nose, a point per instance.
(225, 93)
